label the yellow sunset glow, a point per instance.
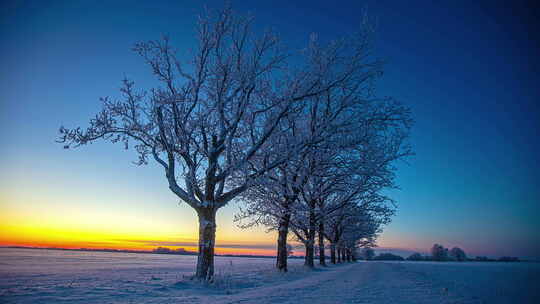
(47, 223)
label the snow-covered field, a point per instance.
(51, 276)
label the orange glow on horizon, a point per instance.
(42, 222)
(59, 225)
(79, 245)
(56, 237)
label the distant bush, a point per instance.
(508, 259)
(416, 257)
(162, 250)
(165, 250)
(388, 257)
(501, 259)
(483, 259)
(458, 254)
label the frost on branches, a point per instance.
(224, 117)
(332, 187)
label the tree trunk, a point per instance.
(322, 258)
(348, 255)
(332, 253)
(282, 252)
(310, 244)
(310, 250)
(339, 255)
(343, 258)
(207, 240)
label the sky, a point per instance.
(468, 71)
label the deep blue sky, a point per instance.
(469, 72)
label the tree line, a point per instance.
(438, 253)
(300, 138)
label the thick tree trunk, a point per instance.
(348, 255)
(333, 253)
(282, 252)
(339, 255)
(343, 258)
(207, 240)
(322, 258)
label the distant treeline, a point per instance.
(165, 250)
(438, 253)
(182, 251)
(158, 250)
(80, 249)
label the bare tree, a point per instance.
(329, 121)
(349, 172)
(349, 135)
(361, 231)
(212, 116)
(270, 203)
(458, 254)
(357, 225)
(439, 252)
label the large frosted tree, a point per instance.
(213, 114)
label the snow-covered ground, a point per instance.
(51, 276)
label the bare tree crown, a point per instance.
(215, 113)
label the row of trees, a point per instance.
(300, 137)
(165, 250)
(440, 253)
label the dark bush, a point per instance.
(388, 257)
(416, 257)
(508, 259)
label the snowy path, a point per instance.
(405, 282)
(47, 276)
(353, 283)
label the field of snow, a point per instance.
(52, 276)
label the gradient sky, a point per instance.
(469, 72)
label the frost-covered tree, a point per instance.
(335, 226)
(308, 220)
(345, 116)
(458, 254)
(213, 114)
(270, 201)
(358, 210)
(351, 165)
(439, 253)
(361, 230)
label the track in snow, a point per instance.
(50, 276)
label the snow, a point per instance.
(53, 276)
